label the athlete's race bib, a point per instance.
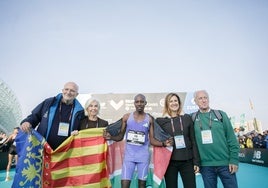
(135, 137)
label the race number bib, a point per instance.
(135, 137)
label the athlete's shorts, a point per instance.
(128, 169)
(12, 150)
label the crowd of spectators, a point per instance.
(252, 139)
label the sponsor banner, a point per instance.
(115, 105)
(254, 156)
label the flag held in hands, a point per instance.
(80, 161)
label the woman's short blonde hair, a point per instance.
(88, 102)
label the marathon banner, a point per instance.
(256, 156)
(115, 105)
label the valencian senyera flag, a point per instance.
(80, 161)
(30, 162)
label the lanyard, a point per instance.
(173, 128)
(70, 116)
(210, 121)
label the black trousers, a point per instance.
(186, 170)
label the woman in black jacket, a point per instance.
(185, 157)
(91, 119)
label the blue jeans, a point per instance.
(211, 173)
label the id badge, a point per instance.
(179, 142)
(63, 129)
(206, 137)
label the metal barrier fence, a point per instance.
(255, 156)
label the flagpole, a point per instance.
(255, 124)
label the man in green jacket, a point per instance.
(217, 144)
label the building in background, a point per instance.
(10, 109)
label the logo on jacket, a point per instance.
(45, 114)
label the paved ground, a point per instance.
(249, 176)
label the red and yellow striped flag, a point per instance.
(80, 161)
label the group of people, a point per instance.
(204, 144)
(254, 140)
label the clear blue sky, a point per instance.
(138, 46)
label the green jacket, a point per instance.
(224, 148)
